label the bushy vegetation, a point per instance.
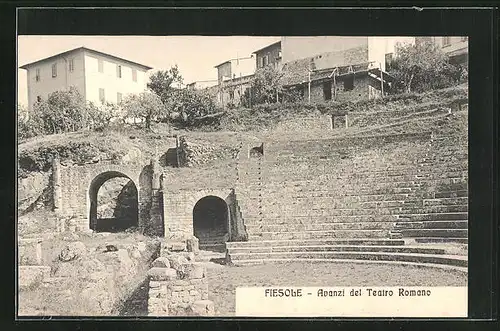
(147, 106)
(64, 111)
(186, 106)
(424, 66)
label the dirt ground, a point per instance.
(223, 280)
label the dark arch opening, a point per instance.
(113, 203)
(210, 222)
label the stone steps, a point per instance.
(351, 261)
(245, 252)
(440, 233)
(405, 225)
(435, 240)
(295, 227)
(454, 260)
(329, 241)
(290, 235)
(445, 216)
(303, 211)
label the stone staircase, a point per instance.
(331, 199)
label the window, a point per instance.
(100, 65)
(327, 90)
(446, 41)
(118, 97)
(349, 83)
(54, 70)
(71, 65)
(101, 95)
(265, 60)
(388, 60)
(119, 71)
(134, 75)
(261, 62)
(37, 75)
(279, 55)
(231, 95)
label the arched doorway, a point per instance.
(211, 223)
(113, 200)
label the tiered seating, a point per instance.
(360, 198)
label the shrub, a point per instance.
(186, 106)
(422, 67)
(147, 106)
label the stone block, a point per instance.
(176, 260)
(155, 284)
(161, 262)
(193, 245)
(72, 251)
(191, 271)
(162, 274)
(202, 308)
(177, 246)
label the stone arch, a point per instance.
(211, 222)
(120, 221)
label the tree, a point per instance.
(187, 105)
(145, 105)
(421, 66)
(63, 111)
(161, 82)
(266, 85)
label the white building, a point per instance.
(98, 76)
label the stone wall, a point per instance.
(177, 284)
(322, 122)
(73, 183)
(178, 210)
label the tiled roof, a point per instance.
(145, 67)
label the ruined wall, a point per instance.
(178, 285)
(193, 154)
(72, 184)
(178, 210)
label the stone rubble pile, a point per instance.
(193, 154)
(177, 284)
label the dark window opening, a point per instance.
(327, 90)
(257, 151)
(388, 61)
(169, 159)
(349, 83)
(54, 70)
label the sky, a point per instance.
(195, 56)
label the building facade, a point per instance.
(269, 55)
(235, 68)
(456, 48)
(333, 51)
(99, 77)
(200, 85)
